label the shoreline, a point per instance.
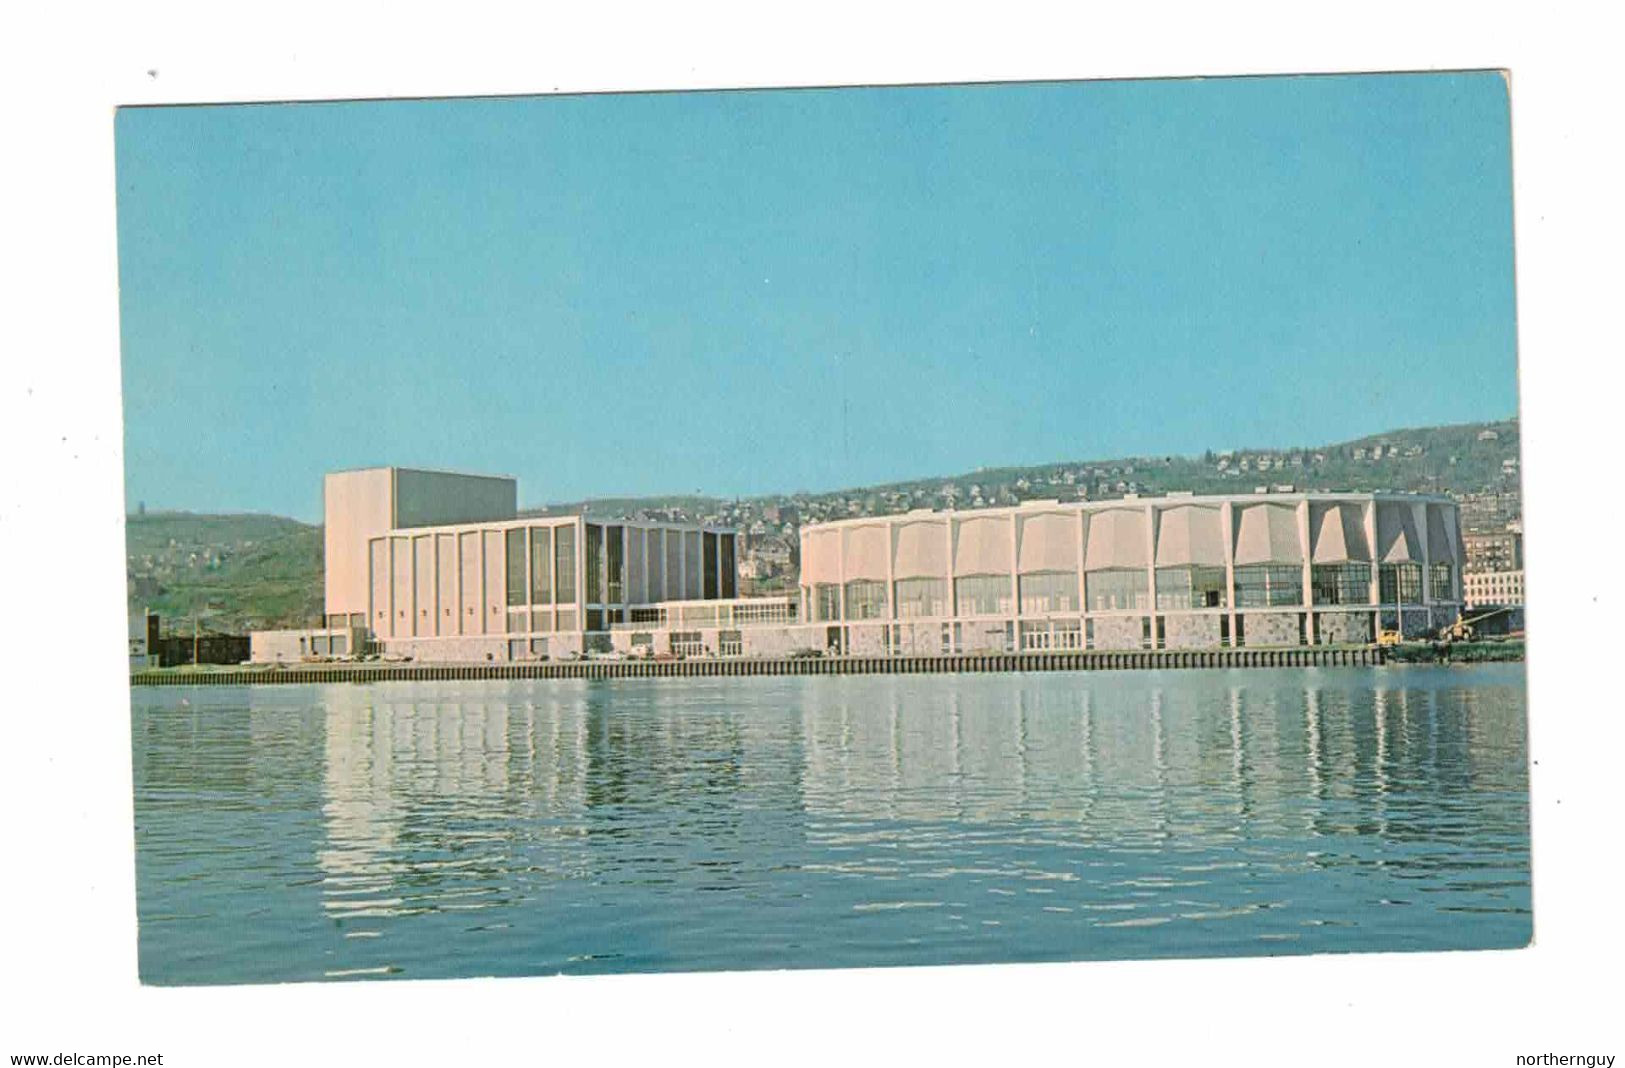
(1066, 660)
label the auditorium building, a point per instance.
(440, 567)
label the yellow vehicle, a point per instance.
(1388, 638)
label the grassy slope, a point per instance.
(235, 572)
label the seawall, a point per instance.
(1130, 660)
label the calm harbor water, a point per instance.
(420, 830)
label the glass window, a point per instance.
(516, 565)
(615, 564)
(865, 599)
(729, 567)
(1268, 585)
(595, 564)
(921, 597)
(982, 595)
(708, 554)
(566, 619)
(541, 565)
(1115, 590)
(1181, 588)
(1400, 582)
(826, 602)
(518, 620)
(1440, 584)
(1342, 583)
(1049, 591)
(693, 569)
(564, 556)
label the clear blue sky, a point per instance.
(769, 291)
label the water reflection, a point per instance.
(511, 828)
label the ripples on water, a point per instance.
(521, 828)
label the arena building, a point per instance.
(440, 567)
(1176, 572)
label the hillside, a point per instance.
(241, 572)
(234, 573)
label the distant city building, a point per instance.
(1500, 551)
(1485, 589)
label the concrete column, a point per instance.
(1082, 527)
(1376, 555)
(891, 569)
(417, 594)
(1420, 511)
(840, 577)
(1015, 575)
(553, 572)
(389, 558)
(950, 603)
(1151, 569)
(806, 612)
(581, 573)
(1228, 520)
(1308, 572)
(485, 595)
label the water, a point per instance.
(518, 828)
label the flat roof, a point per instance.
(554, 521)
(1175, 500)
(422, 471)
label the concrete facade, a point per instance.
(1175, 572)
(359, 506)
(297, 645)
(439, 567)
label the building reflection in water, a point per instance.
(440, 799)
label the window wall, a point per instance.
(1044, 592)
(1269, 585)
(865, 599)
(1342, 583)
(541, 565)
(1115, 590)
(729, 567)
(1439, 584)
(615, 565)
(709, 556)
(1180, 588)
(921, 597)
(595, 564)
(982, 595)
(1400, 583)
(826, 603)
(515, 555)
(564, 556)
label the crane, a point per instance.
(1462, 629)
